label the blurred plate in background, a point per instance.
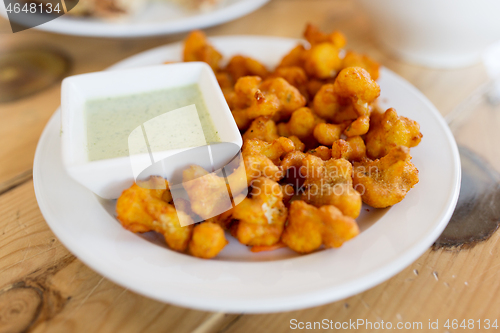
(155, 19)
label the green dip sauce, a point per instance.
(111, 120)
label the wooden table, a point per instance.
(44, 288)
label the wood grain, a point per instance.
(44, 288)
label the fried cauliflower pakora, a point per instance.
(355, 84)
(330, 183)
(274, 150)
(288, 96)
(309, 227)
(262, 128)
(322, 61)
(353, 59)
(386, 181)
(258, 165)
(301, 124)
(322, 152)
(253, 98)
(390, 130)
(197, 48)
(315, 36)
(327, 134)
(248, 102)
(240, 66)
(299, 145)
(207, 241)
(358, 127)
(262, 159)
(208, 192)
(294, 75)
(295, 58)
(291, 165)
(141, 209)
(352, 149)
(261, 217)
(352, 86)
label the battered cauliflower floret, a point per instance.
(289, 98)
(258, 165)
(299, 145)
(304, 230)
(352, 86)
(272, 98)
(386, 181)
(322, 152)
(338, 228)
(207, 241)
(330, 183)
(141, 209)
(226, 83)
(262, 128)
(301, 124)
(314, 85)
(262, 158)
(273, 150)
(240, 66)
(358, 127)
(390, 130)
(208, 192)
(356, 84)
(292, 159)
(327, 103)
(249, 102)
(322, 61)
(353, 59)
(347, 113)
(261, 217)
(294, 75)
(197, 48)
(225, 80)
(327, 134)
(353, 149)
(309, 227)
(213, 195)
(314, 36)
(292, 168)
(294, 58)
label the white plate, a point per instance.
(238, 280)
(155, 19)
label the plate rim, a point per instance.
(400, 262)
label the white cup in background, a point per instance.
(435, 33)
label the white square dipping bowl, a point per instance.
(109, 177)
